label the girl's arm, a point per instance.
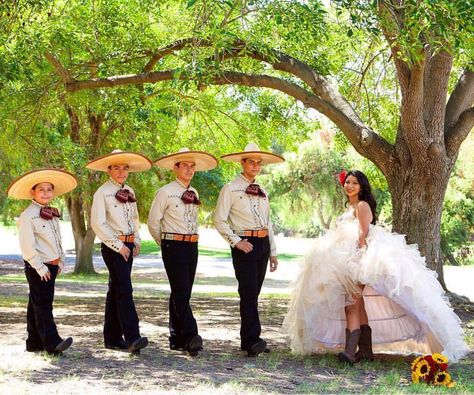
(364, 215)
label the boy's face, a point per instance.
(118, 173)
(43, 193)
(251, 167)
(185, 171)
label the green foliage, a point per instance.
(307, 183)
(457, 224)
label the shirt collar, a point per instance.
(246, 179)
(35, 203)
(113, 182)
(181, 183)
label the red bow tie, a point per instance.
(254, 189)
(124, 196)
(49, 213)
(189, 197)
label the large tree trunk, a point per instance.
(417, 199)
(83, 236)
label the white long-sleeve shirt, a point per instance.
(237, 211)
(111, 218)
(169, 214)
(40, 239)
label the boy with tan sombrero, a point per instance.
(41, 247)
(114, 219)
(172, 222)
(242, 217)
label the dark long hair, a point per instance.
(365, 193)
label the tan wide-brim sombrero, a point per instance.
(203, 160)
(62, 181)
(253, 152)
(135, 162)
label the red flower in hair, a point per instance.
(342, 177)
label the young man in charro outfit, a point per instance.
(172, 222)
(41, 247)
(114, 218)
(242, 217)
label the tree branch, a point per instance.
(435, 92)
(176, 46)
(58, 67)
(458, 132)
(411, 119)
(461, 98)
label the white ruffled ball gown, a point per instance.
(407, 308)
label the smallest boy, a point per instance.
(41, 247)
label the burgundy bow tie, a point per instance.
(49, 213)
(254, 189)
(189, 197)
(124, 196)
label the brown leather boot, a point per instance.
(365, 352)
(352, 338)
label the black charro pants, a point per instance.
(250, 272)
(180, 260)
(120, 314)
(42, 331)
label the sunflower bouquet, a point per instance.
(431, 369)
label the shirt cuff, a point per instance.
(42, 270)
(115, 245)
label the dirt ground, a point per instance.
(220, 368)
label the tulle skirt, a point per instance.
(406, 306)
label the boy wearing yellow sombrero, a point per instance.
(114, 219)
(242, 217)
(172, 222)
(41, 247)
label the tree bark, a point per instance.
(417, 197)
(83, 236)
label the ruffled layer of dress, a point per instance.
(406, 306)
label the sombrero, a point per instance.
(203, 160)
(62, 181)
(135, 162)
(253, 152)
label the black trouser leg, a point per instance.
(250, 272)
(120, 313)
(42, 331)
(180, 260)
(112, 328)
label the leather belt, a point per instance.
(54, 262)
(252, 233)
(127, 238)
(180, 237)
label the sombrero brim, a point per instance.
(203, 160)
(62, 181)
(266, 157)
(135, 162)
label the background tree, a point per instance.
(409, 112)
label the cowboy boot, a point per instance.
(365, 352)
(352, 338)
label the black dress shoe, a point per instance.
(194, 345)
(138, 344)
(120, 345)
(64, 345)
(257, 348)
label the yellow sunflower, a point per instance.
(442, 378)
(413, 364)
(422, 369)
(415, 378)
(439, 358)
